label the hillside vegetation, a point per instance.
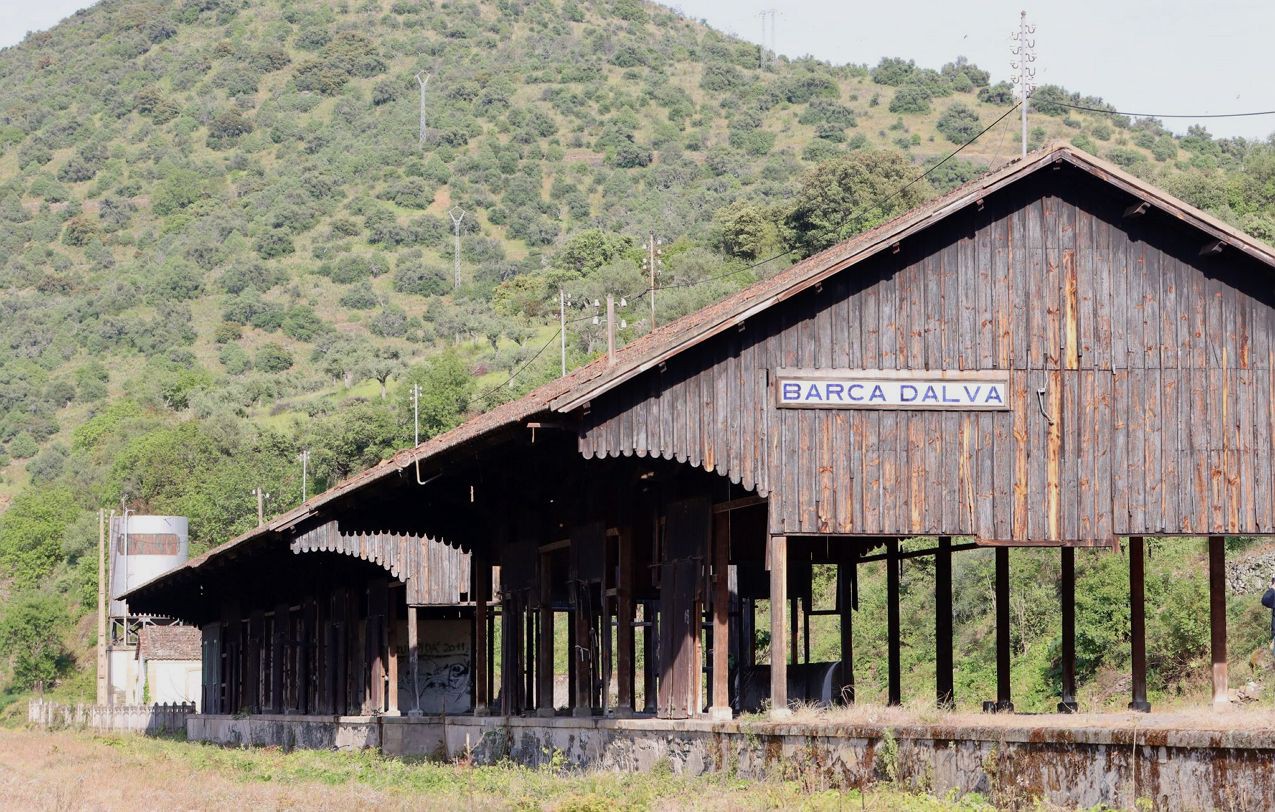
(223, 241)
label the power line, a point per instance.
(864, 210)
(1162, 115)
(528, 363)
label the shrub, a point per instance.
(893, 71)
(959, 124)
(421, 279)
(272, 357)
(910, 99)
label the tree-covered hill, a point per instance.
(222, 240)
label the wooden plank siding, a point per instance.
(1156, 365)
(435, 573)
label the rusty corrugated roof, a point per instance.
(581, 385)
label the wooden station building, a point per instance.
(1055, 355)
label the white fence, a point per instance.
(149, 719)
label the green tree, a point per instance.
(446, 388)
(32, 626)
(839, 198)
(31, 532)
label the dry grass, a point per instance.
(62, 771)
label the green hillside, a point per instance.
(223, 241)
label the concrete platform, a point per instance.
(1112, 761)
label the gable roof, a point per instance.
(169, 643)
(578, 387)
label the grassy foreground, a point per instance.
(64, 770)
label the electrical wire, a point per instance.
(863, 211)
(1162, 115)
(526, 364)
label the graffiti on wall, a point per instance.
(444, 662)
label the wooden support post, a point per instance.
(413, 662)
(582, 652)
(529, 658)
(845, 602)
(1217, 617)
(481, 574)
(943, 681)
(624, 625)
(894, 694)
(1138, 624)
(778, 560)
(544, 658)
(278, 645)
(391, 670)
(1003, 703)
(721, 617)
(1067, 596)
(793, 629)
(650, 647)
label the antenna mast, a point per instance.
(422, 82)
(457, 214)
(1024, 77)
(767, 37)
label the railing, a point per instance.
(149, 719)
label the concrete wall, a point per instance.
(151, 719)
(174, 681)
(287, 732)
(1080, 767)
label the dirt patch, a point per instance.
(57, 771)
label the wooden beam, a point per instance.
(1138, 624)
(1004, 702)
(1217, 618)
(624, 625)
(739, 504)
(894, 687)
(544, 649)
(1067, 597)
(905, 555)
(1137, 209)
(778, 560)
(391, 701)
(943, 676)
(413, 661)
(278, 645)
(650, 648)
(721, 616)
(846, 580)
(481, 573)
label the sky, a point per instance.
(1143, 56)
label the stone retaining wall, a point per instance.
(1078, 767)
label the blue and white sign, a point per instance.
(882, 389)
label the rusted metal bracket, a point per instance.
(1040, 401)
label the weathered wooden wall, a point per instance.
(1155, 360)
(435, 573)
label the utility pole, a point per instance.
(416, 414)
(650, 267)
(457, 214)
(1024, 77)
(261, 504)
(103, 687)
(610, 328)
(305, 471)
(562, 327)
(422, 82)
